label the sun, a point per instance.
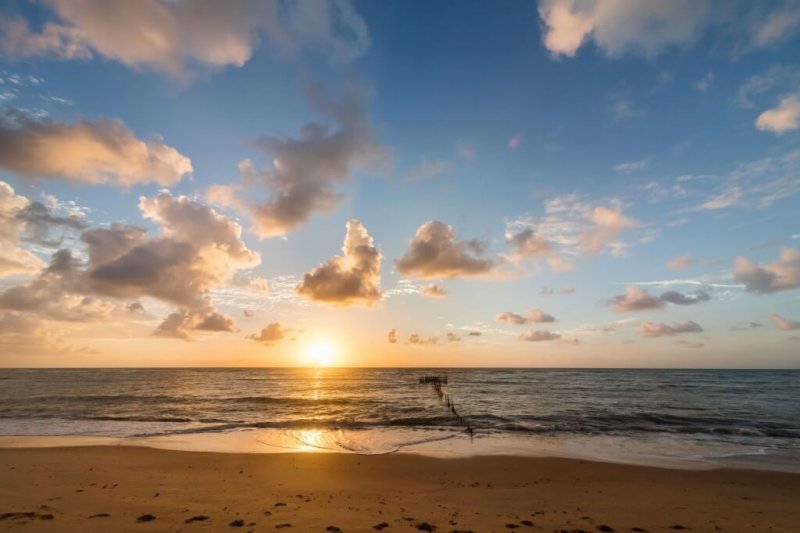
(320, 353)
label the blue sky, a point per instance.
(588, 157)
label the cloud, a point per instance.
(624, 109)
(307, 169)
(177, 36)
(538, 336)
(415, 338)
(655, 329)
(635, 299)
(89, 151)
(679, 298)
(514, 142)
(512, 318)
(392, 336)
(433, 291)
(269, 335)
(569, 228)
(435, 252)
(777, 77)
(351, 278)
(534, 316)
(680, 262)
(198, 250)
(181, 323)
(783, 118)
(453, 337)
(428, 168)
(704, 83)
(631, 167)
(14, 259)
(618, 27)
(57, 293)
(784, 323)
(782, 275)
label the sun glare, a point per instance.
(320, 353)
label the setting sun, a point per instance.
(320, 353)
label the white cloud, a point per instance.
(649, 27)
(630, 167)
(783, 118)
(88, 151)
(177, 36)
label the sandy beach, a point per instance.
(115, 488)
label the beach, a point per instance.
(125, 488)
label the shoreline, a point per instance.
(658, 452)
(73, 488)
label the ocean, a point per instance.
(682, 418)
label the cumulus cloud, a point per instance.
(198, 250)
(679, 298)
(538, 336)
(784, 323)
(655, 329)
(783, 118)
(175, 36)
(392, 336)
(650, 27)
(781, 275)
(435, 252)
(89, 151)
(308, 169)
(635, 299)
(433, 291)
(680, 262)
(183, 322)
(57, 293)
(351, 278)
(270, 334)
(569, 228)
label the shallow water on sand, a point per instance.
(675, 417)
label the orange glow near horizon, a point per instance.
(321, 353)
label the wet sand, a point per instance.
(116, 488)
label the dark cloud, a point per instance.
(270, 334)
(182, 323)
(656, 329)
(88, 151)
(475, 333)
(392, 336)
(679, 298)
(538, 336)
(415, 338)
(350, 278)
(512, 318)
(781, 275)
(635, 299)
(307, 170)
(434, 252)
(135, 307)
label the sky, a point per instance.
(562, 183)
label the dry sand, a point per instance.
(108, 488)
